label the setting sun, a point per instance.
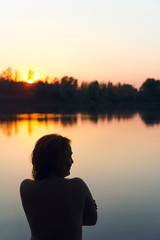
(31, 76)
(30, 81)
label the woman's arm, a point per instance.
(90, 207)
(90, 212)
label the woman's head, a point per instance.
(52, 153)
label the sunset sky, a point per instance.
(104, 40)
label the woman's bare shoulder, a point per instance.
(26, 184)
(80, 183)
(77, 180)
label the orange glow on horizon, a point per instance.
(37, 75)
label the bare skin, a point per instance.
(56, 207)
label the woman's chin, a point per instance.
(67, 173)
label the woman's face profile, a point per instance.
(68, 161)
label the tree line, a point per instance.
(67, 91)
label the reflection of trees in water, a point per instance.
(63, 119)
(10, 123)
(93, 118)
(120, 115)
(108, 116)
(68, 120)
(7, 127)
(150, 117)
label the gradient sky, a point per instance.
(104, 40)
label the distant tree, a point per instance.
(69, 82)
(30, 75)
(103, 91)
(46, 79)
(149, 85)
(16, 76)
(125, 92)
(150, 89)
(55, 81)
(110, 92)
(93, 90)
(84, 87)
(7, 74)
(68, 87)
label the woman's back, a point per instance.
(54, 207)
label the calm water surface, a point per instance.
(117, 156)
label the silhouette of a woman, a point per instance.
(56, 207)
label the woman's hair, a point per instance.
(48, 151)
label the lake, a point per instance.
(118, 156)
